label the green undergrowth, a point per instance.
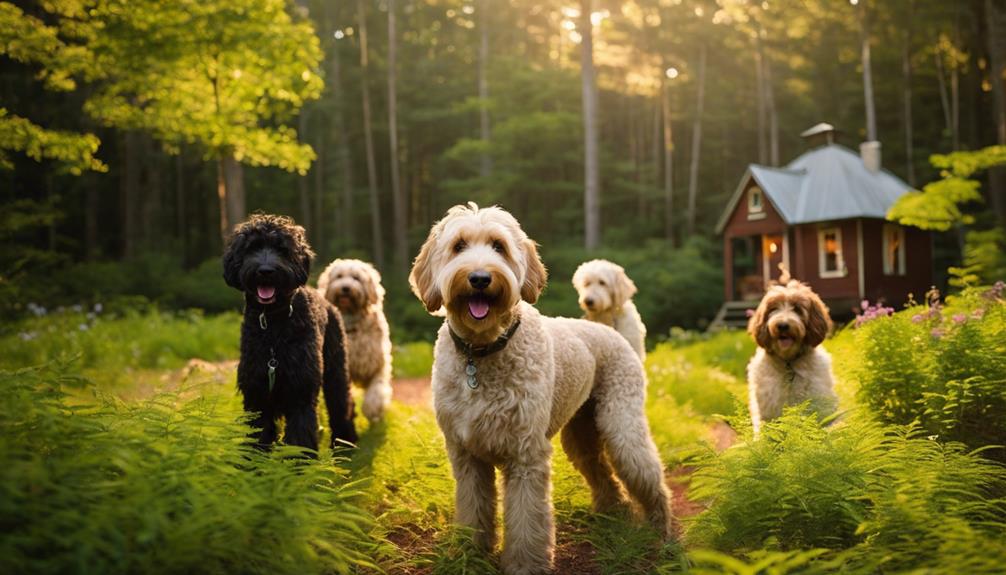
(165, 485)
(112, 348)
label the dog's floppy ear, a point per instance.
(819, 320)
(536, 276)
(374, 289)
(421, 277)
(302, 254)
(758, 325)
(233, 259)
(625, 288)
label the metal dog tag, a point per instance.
(272, 373)
(471, 370)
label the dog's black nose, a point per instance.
(589, 301)
(480, 279)
(783, 327)
(345, 289)
(265, 271)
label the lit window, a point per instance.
(831, 264)
(894, 250)
(755, 204)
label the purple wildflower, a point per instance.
(938, 332)
(917, 318)
(978, 313)
(870, 313)
(749, 312)
(960, 318)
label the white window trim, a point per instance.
(901, 250)
(756, 212)
(842, 270)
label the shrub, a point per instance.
(109, 344)
(162, 486)
(880, 499)
(944, 368)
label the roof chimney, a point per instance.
(821, 134)
(870, 152)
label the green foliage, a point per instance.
(31, 41)
(880, 498)
(413, 359)
(221, 74)
(940, 204)
(707, 375)
(942, 368)
(109, 346)
(169, 485)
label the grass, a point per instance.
(163, 481)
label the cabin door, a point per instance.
(773, 253)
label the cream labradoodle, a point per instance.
(789, 367)
(506, 379)
(355, 288)
(606, 297)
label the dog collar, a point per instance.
(264, 323)
(471, 352)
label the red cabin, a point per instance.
(823, 216)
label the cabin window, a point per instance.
(831, 264)
(756, 204)
(894, 250)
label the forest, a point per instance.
(135, 133)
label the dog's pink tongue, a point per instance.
(785, 342)
(478, 307)
(266, 292)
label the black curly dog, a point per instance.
(292, 339)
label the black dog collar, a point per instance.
(472, 352)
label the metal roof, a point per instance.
(826, 183)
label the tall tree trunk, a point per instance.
(92, 204)
(773, 116)
(668, 163)
(152, 197)
(955, 82)
(225, 223)
(131, 194)
(303, 194)
(944, 99)
(995, 17)
(906, 68)
(181, 220)
(591, 170)
(234, 177)
(318, 168)
(693, 176)
(871, 114)
(486, 161)
(368, 135)
(397, 197)
(344, 215)
(762, 108)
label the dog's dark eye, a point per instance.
(601, 282)
(498, 247)
(460, 246)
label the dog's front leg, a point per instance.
(475, 495)
(529, 537)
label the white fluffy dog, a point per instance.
(355, 288)
(506, 379)
(605, 296)
(789, 368)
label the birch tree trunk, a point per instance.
(693, 176)
(375, 205)
(398, 201)
(486, 161)
(592, 177)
